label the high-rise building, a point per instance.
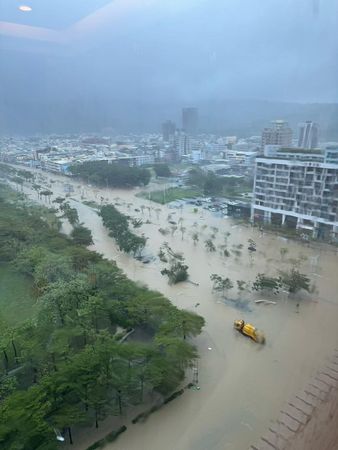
(278, 134)
(299, 193)
(190, 120)
(168, 130)
(182, 144)
(308, 135)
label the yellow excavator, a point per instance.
(249, 330)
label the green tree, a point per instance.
(265, 282)
(59, 200)
(294, 281)
(182, 230)
(209, 245)
(195, 237)
(242, 286)
(173, 229)
(177, 272)
(23, 424)
(221, 284)
(162, 170)
(182, 324)
(82, 235)
(47, 194)
(113, 175)
(283, 252)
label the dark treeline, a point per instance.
(162, 170)
(118, 225)
(67, 365)
(212, 184)
(114, 175)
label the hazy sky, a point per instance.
(161, 51)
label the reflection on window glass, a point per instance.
(168, 225)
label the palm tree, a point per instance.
(173, 229)
(226, 236)
(158, 211)
(195, 237)
(209, 245)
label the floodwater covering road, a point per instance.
(243, 385)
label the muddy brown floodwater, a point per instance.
(243, 385)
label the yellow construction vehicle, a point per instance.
(249, 330)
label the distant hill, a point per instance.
(247, 118)
(225, 117)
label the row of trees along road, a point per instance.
(66, 365)
(118, 224)
(111, 175)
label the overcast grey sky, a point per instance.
(182, 51)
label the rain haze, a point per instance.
(129, 65)
(168, 225)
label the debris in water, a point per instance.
(209, 348)
(247, 425)
(197, 304)
(266, 302)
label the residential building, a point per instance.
(190, 120)
(297, 193)
(278, 134)
(308, 135)
(195, 156)
(275, 151)
(230, 140)
(181, 143)
(331, 154)
(241, 158)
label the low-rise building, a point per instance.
(58, 166)
(331, 154)
(241, 158)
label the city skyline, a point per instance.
(46, 85)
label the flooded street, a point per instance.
(243, 385)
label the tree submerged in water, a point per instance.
(209, 246)
(177, 270)
(292, 282)
(265, 282)
(221, 284)
(176, 273)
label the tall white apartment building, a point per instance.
(297, 193)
